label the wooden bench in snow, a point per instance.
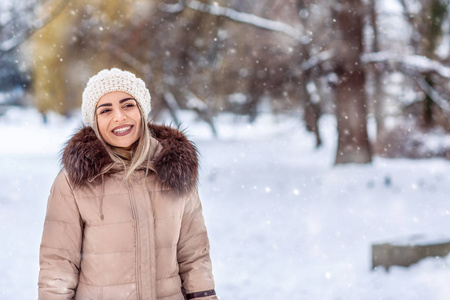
(408, 251)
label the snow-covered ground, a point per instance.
(283, 223)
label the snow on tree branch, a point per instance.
(317, 59)
(418, 63)
(171, 8)
(434, 95)
(415, 65)
(19, 37)
(286, 29)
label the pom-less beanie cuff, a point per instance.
(114, 80)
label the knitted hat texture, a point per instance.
(114, 80)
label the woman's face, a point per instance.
(118, 119)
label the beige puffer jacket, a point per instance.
(108, 239)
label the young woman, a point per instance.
(124, 220)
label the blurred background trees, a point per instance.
(381, 62)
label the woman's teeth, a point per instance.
(122, 129)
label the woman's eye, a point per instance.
(104, 111)
(129, 105)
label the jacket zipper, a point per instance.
(136, 232)
(152, 241)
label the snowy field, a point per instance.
(283, 223)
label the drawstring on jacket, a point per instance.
(101, 198)
(101, 215)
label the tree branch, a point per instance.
(234, 15)
(434, 95)
(414, 66)
(171, 8)
(24, 34)
(317, 59)
(419, 63)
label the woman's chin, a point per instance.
(126, 146)
(124, 143)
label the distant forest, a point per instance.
(382, 60)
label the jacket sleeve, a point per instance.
(193, 253)
(60, 251)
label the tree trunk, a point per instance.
(377, 93)
(353, 141)
(312, 109)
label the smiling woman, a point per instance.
(124, 219)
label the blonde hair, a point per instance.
(140, 151)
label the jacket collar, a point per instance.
(84, 157)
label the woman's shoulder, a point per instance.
(61, 184)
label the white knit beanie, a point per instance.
(114, 80)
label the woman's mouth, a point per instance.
(122, 130)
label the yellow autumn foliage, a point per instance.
(74, 46)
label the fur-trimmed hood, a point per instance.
(85, 157)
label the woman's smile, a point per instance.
(122, 130)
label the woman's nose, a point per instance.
(119, 115)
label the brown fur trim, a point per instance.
(177, 164)
(84, 157)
